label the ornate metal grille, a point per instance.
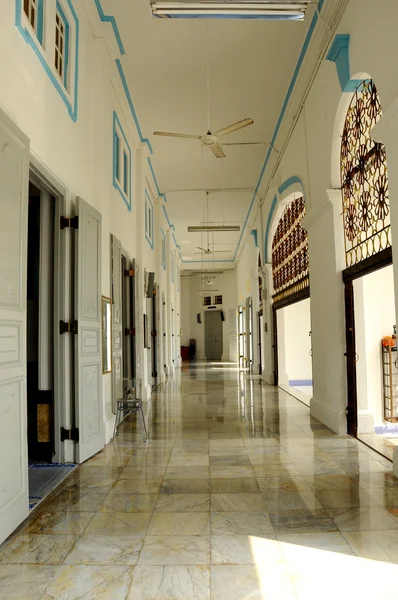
(366, 208)
(290, 264)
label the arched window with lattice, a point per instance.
(366, 209)
(290, 264)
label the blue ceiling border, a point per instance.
(315, 18)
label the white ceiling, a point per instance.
(250, 65)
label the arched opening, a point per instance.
(368, 277)
(291, 302)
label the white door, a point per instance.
(14, 181)
(117, 319)
(88, 370)
(138, 326)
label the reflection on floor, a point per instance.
(381, 443)
(238, 495)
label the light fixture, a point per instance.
(288, 10)
(208, 228)
(206, 292)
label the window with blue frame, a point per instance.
(122, 162)
(163, 249)
(33, 10)
(61, 57)
(148, 219)
(51, 30)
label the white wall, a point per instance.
(374, 319)
(80, 154)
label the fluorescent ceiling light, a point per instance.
(293, 10)
(200, 228)
(207, 292)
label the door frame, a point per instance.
(42, 177)
(288, 301)
(260, 316)
(365, 267)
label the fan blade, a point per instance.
(177, 135)
(242, 143)
(235, 127)
(217, 150)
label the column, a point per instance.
(268, 349)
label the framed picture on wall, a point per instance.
(106, 335)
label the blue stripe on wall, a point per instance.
(110, 19)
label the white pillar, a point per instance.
(326, 251)
(268, 349)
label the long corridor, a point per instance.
(237, 495)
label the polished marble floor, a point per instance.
(237, 495)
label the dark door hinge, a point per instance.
(129, 331)
(129, 273)
(69, 222)
(70, 434)
(154, 333)
(71, 327)
(154, 374)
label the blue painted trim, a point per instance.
(150, 224)
(282, 113)
(131, 105)
(117, 128)
(169, 223)
(110, 19)
(163, 260)
(66, 42)
(353, 85)
(155, 180)
(300, 382)
(254, 234)
(289, 183)
(339, 54)
(33, 42)
(175, 241)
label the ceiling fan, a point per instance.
(213, 141)
(210, 251)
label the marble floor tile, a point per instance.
(230, 461)
(118, 502)
(179, 524)
(36, 549)
(362, 519)
(250, 582)
(301, 547)
(241, 523)
(60, 522)
(286, 484)
(234, 486)
(87, 501)
(349, 498)
(148, 473)
(186, 472)
(175, 550)
(237, 502)
(301, 521)
(136, 486)
(270, 471)
(281, 500)
(187, 461)
(386, 497)
(105, 550)
(170, 583)
(183, 503)
(119, 523)
(374, 545)
(331, 482)
(223, 472)
(25, 582)
(83, 582)
(185, 486)
(245, 550)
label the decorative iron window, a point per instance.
(366, 207)
(207, 301)
(290, 263)
(217, 299)
(61, 58)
